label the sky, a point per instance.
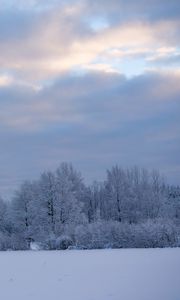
(95, 83)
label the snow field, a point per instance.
(127, 274)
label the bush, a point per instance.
(63, 242)
(49, 244)
(150, 234)
(4, 242)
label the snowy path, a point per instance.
(132, 274)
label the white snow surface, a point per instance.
(124, 274)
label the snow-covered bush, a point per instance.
(63, 242)
(152, 234)
(49, 244)
(4, 241)
(36, 246)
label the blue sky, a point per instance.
(92, 83)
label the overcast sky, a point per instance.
(89, 82)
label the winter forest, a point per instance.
(131, 208)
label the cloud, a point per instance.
(94, 120)
(120, 10)
(73, 99)
(5, 80)
(39, 45)
(75, 86)
(165, 57)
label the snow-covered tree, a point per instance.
(131, 208)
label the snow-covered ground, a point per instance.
(127, 274)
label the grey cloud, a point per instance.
(120, 10)
(94, 121)
(19, 23)
(168, 60)
(16, 24)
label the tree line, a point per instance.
(132, 208)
